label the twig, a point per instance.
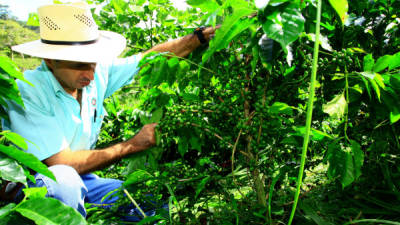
(135, 203)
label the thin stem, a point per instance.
(135, 203)
(346, 112)
(309, 112)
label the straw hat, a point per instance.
(68, 32)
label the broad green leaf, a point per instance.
(341, 7)
(27, 159)
(138, 176)
(15, 138)
(10, 170)
(6, 209)
(358, 156)
(11, 69)
(49, 211)
(33, 20)
(368, 62)
(395, 61)
(119, 6)
(183, 69)
(280, 108)
(35, 192)
(136, 161)
(375, 80)
(336, 107)
(285, 26)
(195, 143)
(159, 72)
(232, 26)
(156, 116)
(382, 63)
(183, 145)
(173, 65)
(323, 41)
(204, 5)
(150, 220)
(316, 135)
(200, 187)
(391, 99)
(345, 162)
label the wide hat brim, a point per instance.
(109, 45)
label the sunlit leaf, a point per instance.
(10, 170)
(232, 26)
(336, 107)
(200, 187)
(395, 61)
(280, 107)
(27, 159)
(15, 138)
(138, 176)
(382, 63)
(285, 26)
(49, 211)
(341, 7)
(204, 5)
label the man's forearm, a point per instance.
(85, 161)
(185, 45)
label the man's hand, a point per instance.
(146, 137)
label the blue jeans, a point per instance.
(74, 190)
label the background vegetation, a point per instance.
(232, 115)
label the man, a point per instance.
(64, 110)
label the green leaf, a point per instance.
(27, 159)
(183, 69)
(195, 143)
(395, 61)
(232, 26)
(358, 156)
(200, 187)
(156, 116)
(375, 80)
(173, 65)
(159, 72)
(183, 145)
(345, 162)
(341, 7)
(11, 69)
(138, 176)
(204, 5)
(49, 211)
(316, 135)
(285, 26)
(10, 170)
(280, 108)
(15, 138)
(150, 220)
(33, 20)
(382, 63)
(336, 107)
(323, 41)
(6, 209)
(119, 6)
(35, 192)
(368, 62)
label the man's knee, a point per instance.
(68, 187)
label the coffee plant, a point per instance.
(288, 115)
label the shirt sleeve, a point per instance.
(37, 125)
(121, 72)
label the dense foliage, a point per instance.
(232, 115)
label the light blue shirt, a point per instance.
(53, 120)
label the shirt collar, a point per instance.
(53, 81)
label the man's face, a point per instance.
(72, 75)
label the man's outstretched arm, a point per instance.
(85, 161)
(183, 46)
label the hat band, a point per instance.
(68, 42)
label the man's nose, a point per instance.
(89, 72)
